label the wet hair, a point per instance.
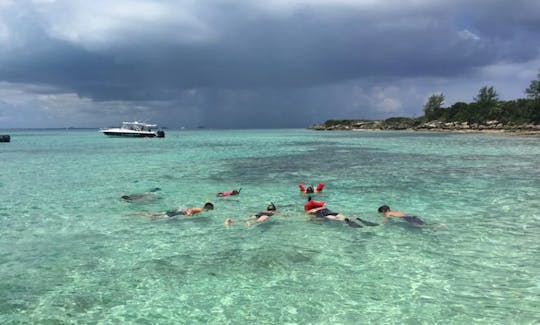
(309, 198)
(384, 208)
(234, 192)
(309, 189)
(271, 207)
(126, 197)
(208, 206)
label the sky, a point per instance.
(255, 64)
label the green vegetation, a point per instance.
(331, 123)
(433, 107)
(401, 123)
(534, 88)
(488, 107)
(485, 109)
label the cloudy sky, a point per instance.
(255, 64)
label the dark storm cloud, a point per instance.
(240, 62)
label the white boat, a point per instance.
(135, 130)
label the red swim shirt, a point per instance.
(313, 204)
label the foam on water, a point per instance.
(71, 250)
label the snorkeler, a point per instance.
(178, 212)
(310, 189)
(410, 219)
(256, 218)
(323, 213)
(148, 196)
(312, 204)
(229, 193)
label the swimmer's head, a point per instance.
(235, 192)
(309, 189)
(384, 208)
(208, 206)
(228, 222)
(125, 197)
(271, 207)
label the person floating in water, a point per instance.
(321, 213)
(312, 204)
(148, 196)
(258, 217)
(310, 189)
(178, 211)
(410, 219)
(229, 193)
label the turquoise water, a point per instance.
(72, 252)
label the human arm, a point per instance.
(192, 211)
(392, 214)
(312, 211)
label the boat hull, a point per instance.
(134, 130)
(130, 134)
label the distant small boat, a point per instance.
(134, 130)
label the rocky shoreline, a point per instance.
(431, 126)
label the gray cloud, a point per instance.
(277, 64)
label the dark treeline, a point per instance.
(487, 107)
(486, 111)
(518, 111)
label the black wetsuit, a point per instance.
(414, 220)
(325, 212)
(177, 212)
(264, 213)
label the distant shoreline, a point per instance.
(404, 124)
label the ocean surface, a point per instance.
(72, 251)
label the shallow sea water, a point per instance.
(71, 251)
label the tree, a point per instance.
(534, 111)
(534, 88)
(498, 112)
(487, 97)
(458, 112)
(433, 108)
(485, 102)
